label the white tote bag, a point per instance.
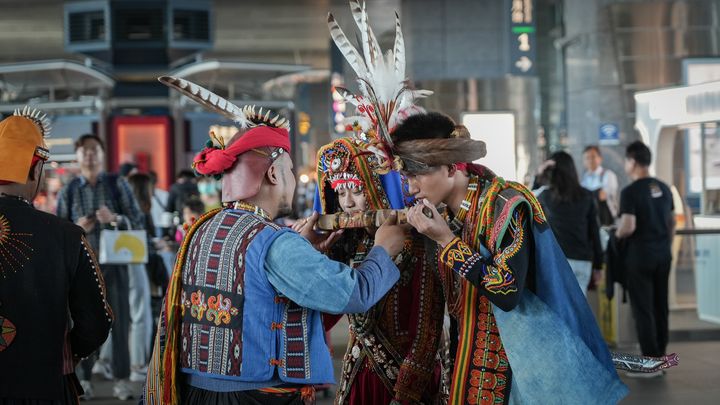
(123, 246)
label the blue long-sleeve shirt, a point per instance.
(312, 280)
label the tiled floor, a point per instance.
(696, 381)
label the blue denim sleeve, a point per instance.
(373, 278)
(312, 280)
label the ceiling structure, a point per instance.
(266, 38)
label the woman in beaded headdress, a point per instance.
(391, 355)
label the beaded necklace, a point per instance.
(453, 285)
(16, 197)
(246, 206)
(458, 222)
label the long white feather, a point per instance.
(348, 50)
(399, 49)
(371, 47)
(207, 99)
(381, 78)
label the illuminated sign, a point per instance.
(522, 37)
(497, 130)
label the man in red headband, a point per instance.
(52, 296)
(242, 323)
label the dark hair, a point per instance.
(84, 138)
(563, 179)
(153, 177)
(126, 168)
(194, 204)
(141, 188)
(592, 147)
(186, 174)
(432, 125)
(640, 153)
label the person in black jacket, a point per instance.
(53, 310)
(572, 215)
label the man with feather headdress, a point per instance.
(241, 323)
(525, 330)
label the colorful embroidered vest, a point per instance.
(235, 325)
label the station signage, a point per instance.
(521, 14)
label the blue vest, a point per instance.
(235, 325)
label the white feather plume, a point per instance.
(381, 78)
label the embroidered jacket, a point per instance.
(48, 277)
(525, 329)
(234, 323)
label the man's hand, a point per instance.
(104, 215)
(602, 195)
(306, 228)
(434, 228)
(86, 223)
(390, 236)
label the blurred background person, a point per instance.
(141, 320)
(209, 190)
(95, 200)
(192, 209)
(185, 186)
(571, 213)
(647, 224)
(603, 183)
(158, 206)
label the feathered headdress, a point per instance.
(385, 96)
(216, 158)
(345, 163)
(245, 117)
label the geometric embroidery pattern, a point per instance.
(7, 333)
(296, 339)
(213, 294)
(15, 250)
(458, 256)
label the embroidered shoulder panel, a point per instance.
(212, 295)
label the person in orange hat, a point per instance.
(53, 309)
(242, 320)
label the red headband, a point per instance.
(212, 161)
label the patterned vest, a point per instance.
(234, 323)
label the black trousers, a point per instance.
(198, 396)
(647, 285)
(117, 287)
